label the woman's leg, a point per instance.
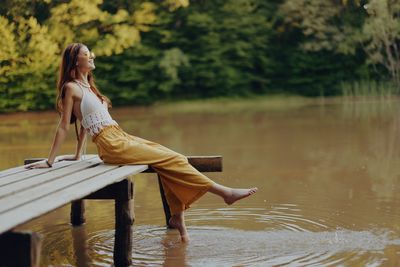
(230, 195)
(177, 221)
(182, 182)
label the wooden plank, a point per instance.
(202, 163)
(29, 161)
(206, 163)
(196, 161)
(32, 173)
(31, 182)
(31, 210)
(11, 171)
(20, 249)
(32, 194)
(19, 169)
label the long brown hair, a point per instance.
(69, 72)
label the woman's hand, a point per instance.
(67, 157)
(38, 166)
(45, 165)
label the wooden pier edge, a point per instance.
(201, 163)
(122, 193)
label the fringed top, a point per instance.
(95, 115)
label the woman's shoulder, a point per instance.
(71, 88)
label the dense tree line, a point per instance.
(172, 49)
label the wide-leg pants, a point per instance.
(182, 183)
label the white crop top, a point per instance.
(95, 115)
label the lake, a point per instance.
(328, 175)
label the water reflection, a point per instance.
(80, 246)
(328, 175)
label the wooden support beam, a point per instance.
(20, 249)
(202, 163)
(77, 214)
(109, 192)
(124, 218)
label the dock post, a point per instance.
(124, 219)
(20, 249)
(77, 212)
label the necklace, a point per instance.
(86, 85)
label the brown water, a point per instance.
(328, 174)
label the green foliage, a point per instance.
(154, 50)
(381, 35)
(31, 49)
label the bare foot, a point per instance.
(177, 221)
(237, 194)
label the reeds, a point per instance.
(369, 88)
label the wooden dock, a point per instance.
(27, 194)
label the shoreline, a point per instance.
(220, 104)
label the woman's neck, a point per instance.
(83, 77)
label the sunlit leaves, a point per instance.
(122, 37)
(170, 63)
(318, 20)
(37, 50)
(8, 53)
(381, 35)
(24, 66)
(175, 4)
(31, 50)
(144, 16)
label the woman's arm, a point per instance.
(79, 146)
(62, 128)
(81, 141)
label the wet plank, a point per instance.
(37, 178)
(21, 169)
(42, 196)
(31, 194)
(21, 173)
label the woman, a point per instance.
(79, 98)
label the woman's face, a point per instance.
(85, 59)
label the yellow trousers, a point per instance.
(182, 183)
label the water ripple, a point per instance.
(280, 234)
(219, 246)
(281, 217)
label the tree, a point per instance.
(319, 43)
(381, 35)
(33, 34)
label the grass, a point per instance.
(366, 89)
(232, 104)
